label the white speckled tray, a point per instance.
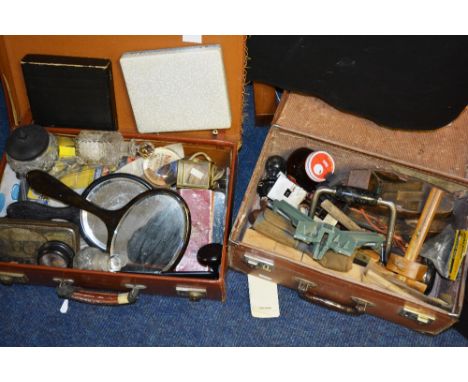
(179, 89)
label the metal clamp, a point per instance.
(359, 196)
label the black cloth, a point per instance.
(408, 82)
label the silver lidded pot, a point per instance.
(31, 147)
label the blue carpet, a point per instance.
(29, 316)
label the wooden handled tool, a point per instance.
(339, 215)
(378, 275)
(408, 266)
(424, 222)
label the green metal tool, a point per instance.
(323, 237)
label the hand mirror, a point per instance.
(110, 192)
(147, 235)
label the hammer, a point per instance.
(407, 266)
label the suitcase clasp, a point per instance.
(304, 285)
(9, 278)
(259, 263)
(193, 293)
(417, 315)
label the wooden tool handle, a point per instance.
(424, 222)
(339, 215)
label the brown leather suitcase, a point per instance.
(438, 155)
(221, 145)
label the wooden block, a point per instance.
(389, 275)
(263, 242)
(355, 273)
(265, 103)
(360, 178)
(339, 215)
(274, 232)
(408, 268)
(372, 277)
(279, 221)
(366, 255)
(256, 239)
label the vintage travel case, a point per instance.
(220, 145)
(439, 156)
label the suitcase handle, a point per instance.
(67, 291)
(355, 310)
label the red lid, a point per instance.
(319, 165)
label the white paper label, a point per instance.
(134, 168)
(196, 173)
(195, 38)
(263, 298)
(284, 189)
(64, 307)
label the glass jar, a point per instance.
(31, 147)
(308, 167)
(103, 148)
(91, 258)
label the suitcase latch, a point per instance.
(304, 285)
(193, 293)
(63, 282)
(259, 263)
(9, 278)
(416, 315)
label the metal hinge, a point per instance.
(259, 263)
(416, 315)
(9, 278)
(193, 293)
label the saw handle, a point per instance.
(347, 194)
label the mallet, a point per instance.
(408, 266)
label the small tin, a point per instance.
(20, 239)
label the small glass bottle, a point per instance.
(94, 259)
(308, 167)
(103, 148)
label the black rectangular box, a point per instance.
(71, 92)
